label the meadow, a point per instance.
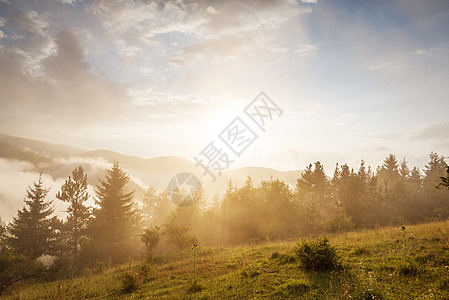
(405, 262)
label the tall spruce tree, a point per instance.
(114, 232)
(388, 174)
(31, 230)
(444, 179)
(74, 191)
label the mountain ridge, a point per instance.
(58, 160)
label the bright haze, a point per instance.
(355, 79)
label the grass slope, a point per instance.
(388, 263)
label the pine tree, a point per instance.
(312, 192)
(114, 233)
(199, 197)
(404, 171)
(415, 180)
(435, 169)
(2, 231)
(31, 230)
(74, 191)
(445, 179)
(150, 207)
(438, 199)
(388, 174)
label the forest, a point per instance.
(120, 228)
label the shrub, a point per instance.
(15, 267)
(130, 283)
(150, 237)
(145, 273)
(178, 236)
(317, 255)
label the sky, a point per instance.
(354, 79)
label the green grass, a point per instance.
(376, 264)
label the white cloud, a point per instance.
(129, 51)
(307, 49)
(424, 52)
(211, 10)
(2, 35)
(67, 93)
(381, 66)
(30, 39)
(435, 132)
(419, 52)
(204, 31)
(150, 97)
(67, 1)
(146, 70)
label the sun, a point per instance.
(218, 121)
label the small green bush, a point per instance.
(130, 283)
(317, 255)
(145, 273)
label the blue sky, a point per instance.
(355, 79)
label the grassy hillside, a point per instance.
(387, 263)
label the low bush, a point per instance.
(130, 283)
(150, 238)
(179, 236)
(317, 255)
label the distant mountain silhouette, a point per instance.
(42, 148)
(13, 152)
(58, 160)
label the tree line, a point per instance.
(392, 194)
(119, 226)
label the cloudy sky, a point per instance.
(355, 79)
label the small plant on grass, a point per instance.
(404, 243)
(194, 246)
(317, 255)
(195, 287)
(407, 266)
(130, 283)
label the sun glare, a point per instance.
(217, 122)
